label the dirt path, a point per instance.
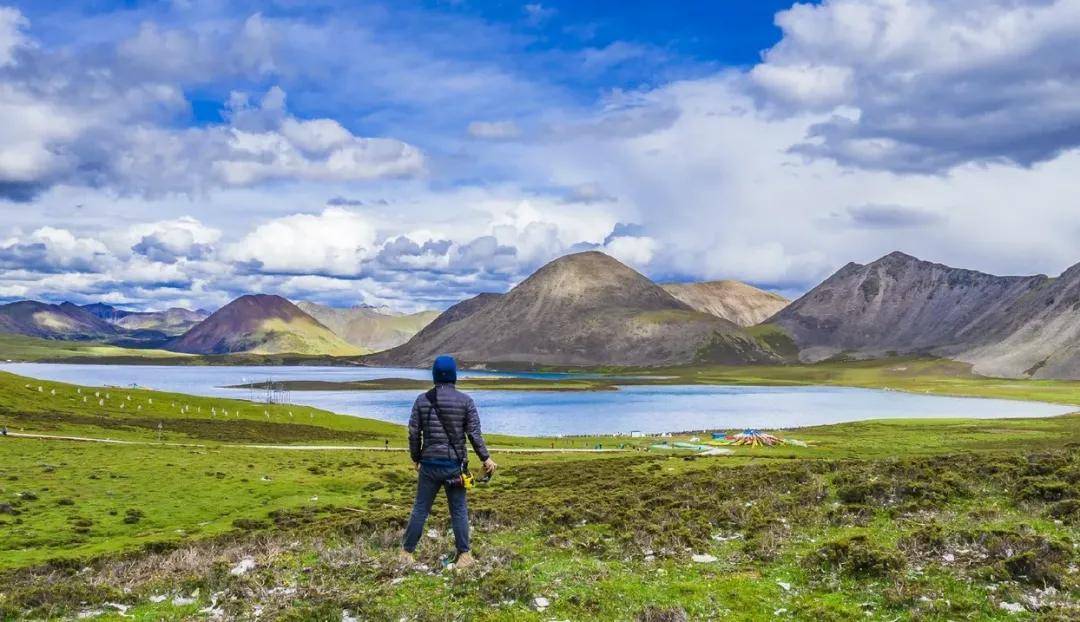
(112, 441)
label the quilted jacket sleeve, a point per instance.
(415, 439)
(472, 430)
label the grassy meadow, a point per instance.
(23, 348)
(241, 515)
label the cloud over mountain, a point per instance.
(52, 250)
(924, 85)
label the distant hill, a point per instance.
(169, 323)
(1003, 325)
(106, 312)
(261, 324)
(369, 328)
(48, 321)
(582, 309)
(174, 321)
(735, 301)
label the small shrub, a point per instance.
(653, 613)
(65, 501)
(160, 546)
(250, 524)
(1070, 474)
(902, 594)
(81, 525)
(561, 517)
(133, 515)
(861, 492)
(764, 544)
(857, 557)
(1067, 511)
(1044, 464)
(504, 584)
(286, 519)
(1024, 557)
(328, 612)
(933, 492)
(855, 514)
(1045, 489)
(928, 540)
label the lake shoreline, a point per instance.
(551, 405)
(414, 384)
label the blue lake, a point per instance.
(650, 409)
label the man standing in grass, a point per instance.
(440, 421)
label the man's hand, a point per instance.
(490, 466)
(416, 465)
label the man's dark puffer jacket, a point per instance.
(428, 440)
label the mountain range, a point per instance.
(171, 322)
(251, 324)
(735, 301)
(1012, 326)
(369, 328)
(48, 321)
(262, 324)
(588, 309)
(581, 309)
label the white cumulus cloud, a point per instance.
(50, 249)
(94, 124)
(334, 242)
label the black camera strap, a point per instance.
(433, 399)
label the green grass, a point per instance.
(28, 405)
(609, 538)
(882, 520)
(134, 414)
(776, 339)
(22, 348)
(179, 492)
(276, 336)
(31, 349)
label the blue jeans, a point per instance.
(428, 483)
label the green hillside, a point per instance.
(21, 348)
(275, 336)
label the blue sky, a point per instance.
(414, 153)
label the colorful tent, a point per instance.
(755, 438)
